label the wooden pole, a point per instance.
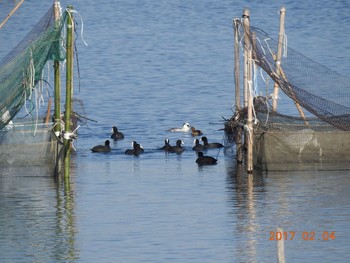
(279, 56)
(248, 89)
(69, 88)
(299, 108)
(250, 131)
(280, 246)
(236, 68)
(11, 13)
(57, 79)
(239, 152)
(245, 18)
(48, 113)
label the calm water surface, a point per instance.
(150, 66)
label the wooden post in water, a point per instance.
(245, 18)
(279, 56)
(280, 246)
(239, 152)
(250, 128)
(248, 86)
(69, 89)
(57, 79)
(236, 68)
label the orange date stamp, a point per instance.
(302, 235)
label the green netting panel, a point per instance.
(21, 69)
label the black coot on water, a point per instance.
(102, 148)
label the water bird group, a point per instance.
(137, 148)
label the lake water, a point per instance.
(150, 66)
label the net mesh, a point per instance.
(321, 91)
(21, 69)
(318, 89)
(18, 146)
(283, 142)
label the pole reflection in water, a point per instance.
(37, 218)
(304, 203)
(244, 190)
(65, 221)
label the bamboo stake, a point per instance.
(250, 131)
(299, 108)
(279, 70)
(245, 18)
(11, 13)
(239, 152)
(248, 86)
(48, 113)
(57, 94)
(280, 247)
(236, 69)
(279, 56)
(57, 79)
(69, 88)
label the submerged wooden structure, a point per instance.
(38, 141)
(266, 139)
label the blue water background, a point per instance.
(150, 66)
